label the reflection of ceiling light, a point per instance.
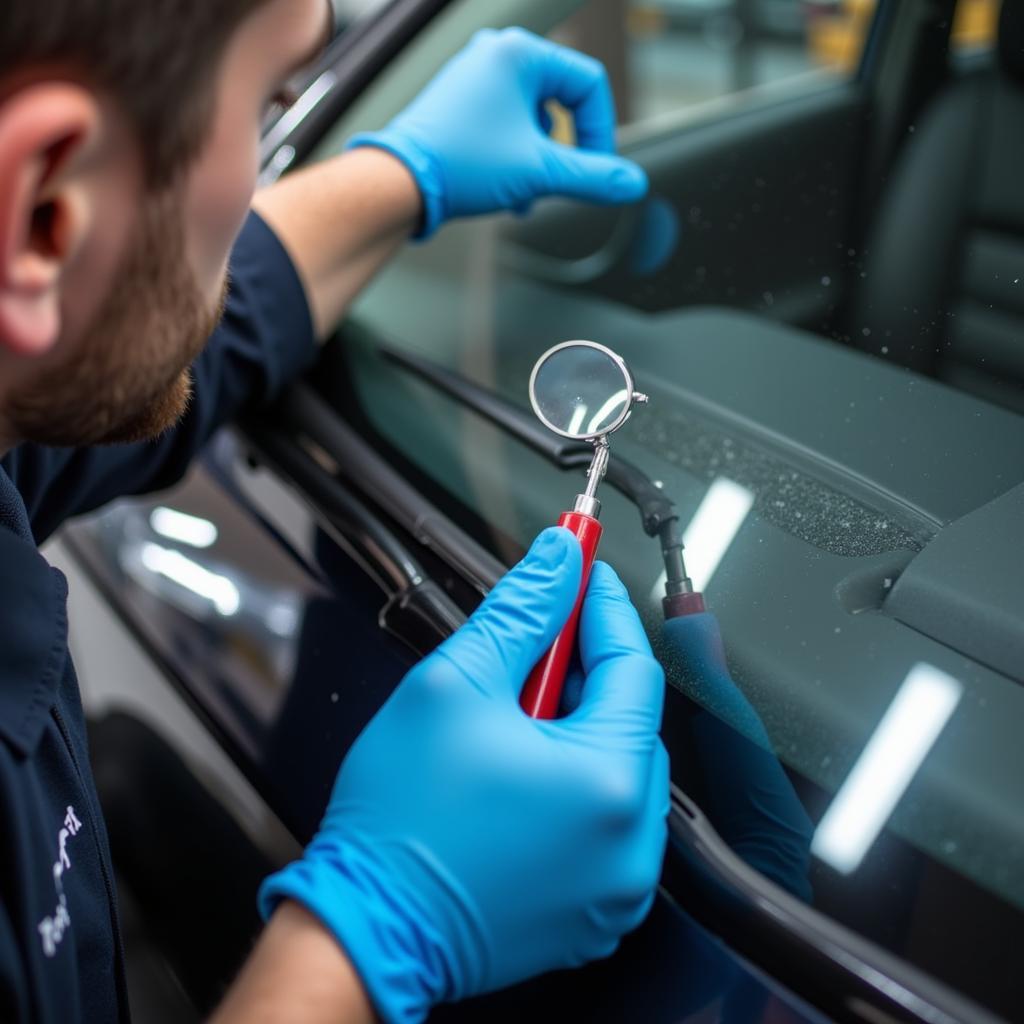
(711, 532)
(174, 525)
(577, 419)
(886, 766)
(282, 618)
(604, 415)
(714, 527)
(219, 590)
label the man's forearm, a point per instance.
(340, 221)
(298, 972)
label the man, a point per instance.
(465, 846)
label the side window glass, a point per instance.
(665, 55)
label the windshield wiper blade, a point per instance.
(563, 451)
(656, 508)
(658, 514)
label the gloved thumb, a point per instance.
(520, 618)
(625, 685)
(595, 177)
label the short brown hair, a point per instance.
(157, 58)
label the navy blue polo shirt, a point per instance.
(60, 950)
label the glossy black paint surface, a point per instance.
(288, 678)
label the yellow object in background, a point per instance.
(562, 127)
(975, 23)
(837, 40)
(643, 21)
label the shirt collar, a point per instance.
(33, 626)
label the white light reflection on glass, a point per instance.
(282, 618)
(577, 419)
(901, 741)
(174, 525)
(219, 590)
(711, 531)
(603, 416)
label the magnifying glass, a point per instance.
(583, 391)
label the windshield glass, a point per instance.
(849, 496)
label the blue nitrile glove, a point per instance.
(466, 846)
(476, 139)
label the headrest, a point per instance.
(1011, 38)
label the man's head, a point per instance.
(129, 137)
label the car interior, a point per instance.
(952, 296)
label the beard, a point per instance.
(129, 377)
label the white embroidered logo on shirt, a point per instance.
(51, 929)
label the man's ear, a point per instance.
(45, 131)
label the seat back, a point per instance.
(943, 284)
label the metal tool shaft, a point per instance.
(587, 502)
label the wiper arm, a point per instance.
(563, 451)
(658, 514)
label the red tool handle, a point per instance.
(543, 690)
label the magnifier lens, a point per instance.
(581, 391)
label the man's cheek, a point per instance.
(218, 203)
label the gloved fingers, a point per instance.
(648, 853)
(521, 616)
(580, 83)
(544, 118)
(655, 818)
(655, 837)
(624, 683)
(609, 624)
(650, 831)
(661, 786)
(595, 177)
(637, 914)
(600, 943)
